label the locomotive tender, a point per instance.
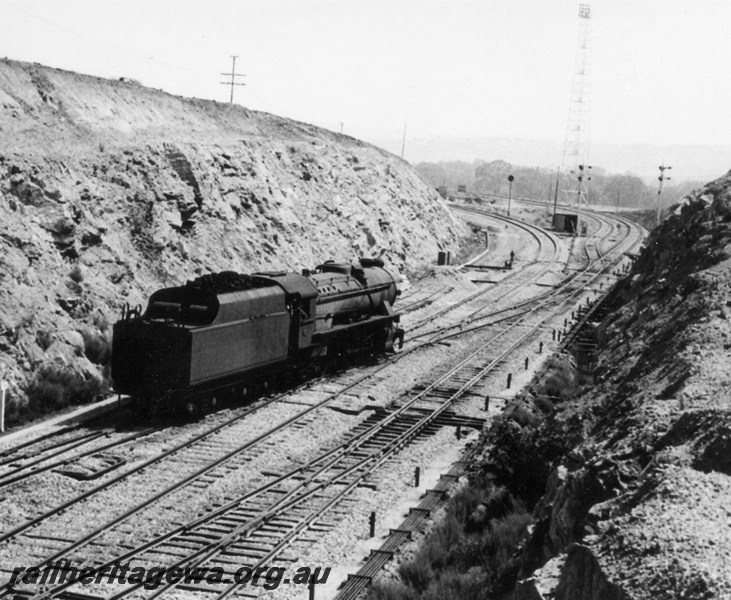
(225, 336)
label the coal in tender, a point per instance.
(227, 281)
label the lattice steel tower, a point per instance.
(576, 148)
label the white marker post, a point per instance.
(3, 389)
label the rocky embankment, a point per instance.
(641, 507)
(109, 190)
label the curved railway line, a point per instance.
(533, 270)
(258, 525)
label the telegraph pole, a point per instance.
(233, 76)
(403, 142)
(662, 178)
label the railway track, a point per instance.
(547, 248)
(365, 449)
(349, 464)
(61, 456)
(47, 533)
(423, 298)
(576, 279)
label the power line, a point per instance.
(233, 76)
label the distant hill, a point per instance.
(689, 162)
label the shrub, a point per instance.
(63, 227)
(416, 574)
(44, 339)
(14, 411)
(45, 393)
(96, 347)
(76, 274)
(544, 405)
(516, 459)
(560, 378)
(54, 388)
(519, 413)
(26, 321)
(392, 590)
(100, 321)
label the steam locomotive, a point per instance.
(227, 336)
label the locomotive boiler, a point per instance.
(227, 335)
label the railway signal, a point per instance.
(510, 191)
(662, 178)
(581, 195)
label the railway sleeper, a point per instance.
(250, 511)
(244, 553)
(208, 589)
(183, 552)
(247, 546)
(237, 517)
(247, 551)
(211, 530)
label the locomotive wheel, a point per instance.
(314, 369)
(190, 409)
(333, 364)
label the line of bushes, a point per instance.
(470, 553)
(51, 389)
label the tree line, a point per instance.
(536, 183)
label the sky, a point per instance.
(450, 68)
